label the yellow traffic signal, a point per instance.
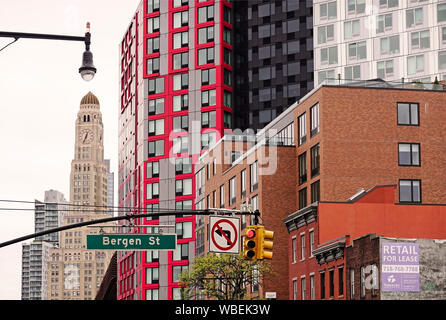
(265, 238)
(250, 243)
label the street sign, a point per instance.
(224, 235)
(131, 241)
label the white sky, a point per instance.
(40, 92)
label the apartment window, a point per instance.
(180, 144)
(156, 86)
(243, 183)
(328, 10)
(208, 119)
(326, 74)
(294, 249)
(156, 106)
(205, 14)
(442, 59)
(152, 256)
(351, 29)
(420, 39)
(302, 168)
(153, 6)
(303, 288)
(181, 252)
(183, 165)
(208, 140)
(314, 160)
(390, 45)
(410, 190)
(414, 17)
(352, 72)
(208, 98)
(152, 169)
(322, 278)
(325, 33)
(152, 294)
(153, 65)
(314, 119)
(180, 81)
(180, 60)
(227, 77)
(356, 6)
(180, 39)
(152, 190)
(227, 99)
(183, 187)
(408, 113)
(302, 247)
(315, 191)
(302, 198)
(384, 68)
(441, 12)
(222, 196)
(156, 127)
(153, 25)
(352, 284)
(357, 50)
(415, 64)
(294, 289)
(227, 56)
(180, 123)
(180, 19)
(183, 205)
(253, 176)
(205, 35)
(302, 122)
(153, 45)
(329, 55)
(341, 281)
(227, 35)
(179, 3)
(227, 15)
(409, 154)
(205, 56)
(208, 76)
(156, 148)
(388, 3)
(227, 120)
(331, 282)
(312, 291)
(311, 243)
(180, 102)
(232, 191)
(384, 22)
(183, 230)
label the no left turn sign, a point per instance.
(224, 234)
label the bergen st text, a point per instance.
(106, 241)
(226, 310)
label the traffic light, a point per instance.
(265, 242)
(250, 244)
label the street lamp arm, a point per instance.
(18, 35)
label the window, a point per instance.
(180, 39)
(294, 249)
(302, 247)
(222, 196)
(180, 145)
(302, 122)
(183, 165)
(180, 103)
(152, 209)
(384, 22)
(356, 6)
(329, 55)
(442, 59)
(303, 288)
(327, 10)
(227, 35)
(205, 56)
(179, 3)
(227, 99)
(152, 294)
(314, 119)
(208, 98)
(153, 6)
(180, 60)
(352, 72)
(152, 256)
(331, 280)
(414, 17)
(314, 160)
(441, 12)
(384, 68)
(176, 293)
(302, 198)
(357, 50)
(156, 106)
(227, 15)
(156, 127)
(390, 45)
(302, 168)
(409, 154)
(243, 183)
(183, 187)
(180, 19)
(326, 74)
(352, 284)
(176, 272)
(205, 14)
(153, 25)
(153, 65)
(153, 45)
(181, 252)
(205, 35)
(388, 3)
(152, 190)
(312, 292)
(325, 34)
(315, 191)
(183, 205)
(415, 64)
(227, 56)
(156, 85)
(208, 140)
(208, 76)
(227, 120)
(232, 191)
(322, 275)
(294, 289)
(311, 243)
(208, 119)
(180, 123)
(410, 190)
(420, 40)
(253, 176)
(351, 29)
(408, 113)
(156, 148)
(152, 169)
(227, 77)
(180, 81)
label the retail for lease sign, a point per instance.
(400, 266)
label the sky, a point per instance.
(40, 92)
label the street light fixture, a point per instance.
(87, 69)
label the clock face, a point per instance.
(86, 136)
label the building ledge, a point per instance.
(302, 217)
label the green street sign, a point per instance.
(131, 241)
